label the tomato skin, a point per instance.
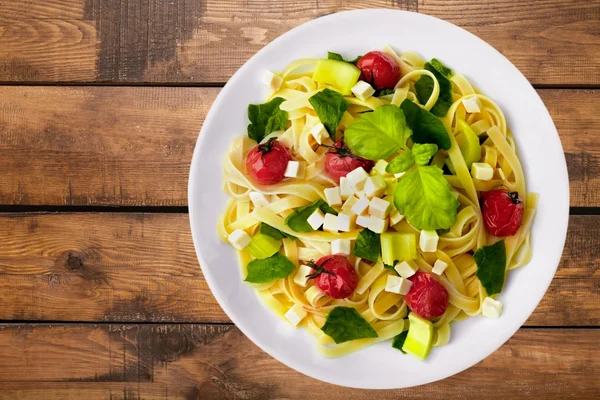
(337, 278)
(266, 163)
(340, 160)
(379, 69)
(502, 212)
(427, 297)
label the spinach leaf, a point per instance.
(401, 163)
(266, 118)
(330, 106)
(424, 87)
(378, 134)
(338, 57)
(345, 323)
(491, 266)
(423, 197)
(426, 127)
(424, 152)
(326, 208)
(398, 341)
(275, 233)
(297, 220)
(367, 245)
(383, 92)
(269, 269)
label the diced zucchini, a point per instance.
(468, 143)
(419, 338)
(342, 75)
(263, 246)
(397, 246)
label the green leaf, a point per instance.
(326, 208)
(398, 341)
(426, 127)
(378, 134)
(297, 220)
(330, 106)
(384, 92)
(275, 233)
(424, 152)
(423, 197)
(424, 87)
(367, 245)
(491, 266)
(401, 163)
(345, 323)
(391, 267)
(266, 118)
(269, 269)
(338, 57)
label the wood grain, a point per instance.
(217, 362)
(131, 146)
(553, 42)
(142, 268)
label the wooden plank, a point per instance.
(142, 268)
(218, 362)
(551, 41)
(131, 146)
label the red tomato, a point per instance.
(502, 212)
(379, 69)
(339, 160)
(266, 163)
(334, 276)
(427, 297)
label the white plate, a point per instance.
(351, 33)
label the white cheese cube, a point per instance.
(491, 308)
(377, 225)
(346, 188)
(380, 167)
(428, 242)
(363, 90)
(363, 220)
(239, 239)
(406, 269)
(396, 284)
(259, 199)
(439, 267)
(331, 223)
(395, 217)
(379, 208)
(295, 314)
(333, 196)
(357, 178)
(472, 104)
(346, 222)
(361, 206)
(316, 219)
(348, 204)
(300, 278)
(341, 246)
(294, 169)
(273, 81)
(482, 171)
(375, 186)
(319, 133)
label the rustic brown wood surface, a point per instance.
(72, 276)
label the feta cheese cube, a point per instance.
(395, 217)
(472, 104)
(300, 278)
(396, 284)
(346, 188)
(482, 171)
(319, 133)
(259, 199)
(357, 178)
(273, 81)
(341, 246)
(294, 169)
(363, 90)
(380, 167)
(239, 239)
(361, 206)
(333, 196)
(375, 186)
(316, 219)
(295, 314)
(491, 308)
(363, 220)
(439, 267)
(348, 204)
(346, 222)
(308, 254)
(406, 269)
(379, 208)
(331, 223)
(377, 225)
(428, 241)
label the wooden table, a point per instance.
(101, 295)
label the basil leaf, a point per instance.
(391, 267)
(424, 87)
(401, 163)
(297, 220)
(423, 197)
(491, 266)
(266, 118)
(424, 152)
(330, 106)
(269, 269)
(383, 92)
(367, 245)
(426, 127)
(378, 134)
(275, 233)
(326, 208)
(338, 57)
(399, 340)
(345, 323)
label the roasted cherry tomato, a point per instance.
(266, 163)
(379, 69)
(334, 275)
(427, 297)
(340, 160)
(502, 212)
